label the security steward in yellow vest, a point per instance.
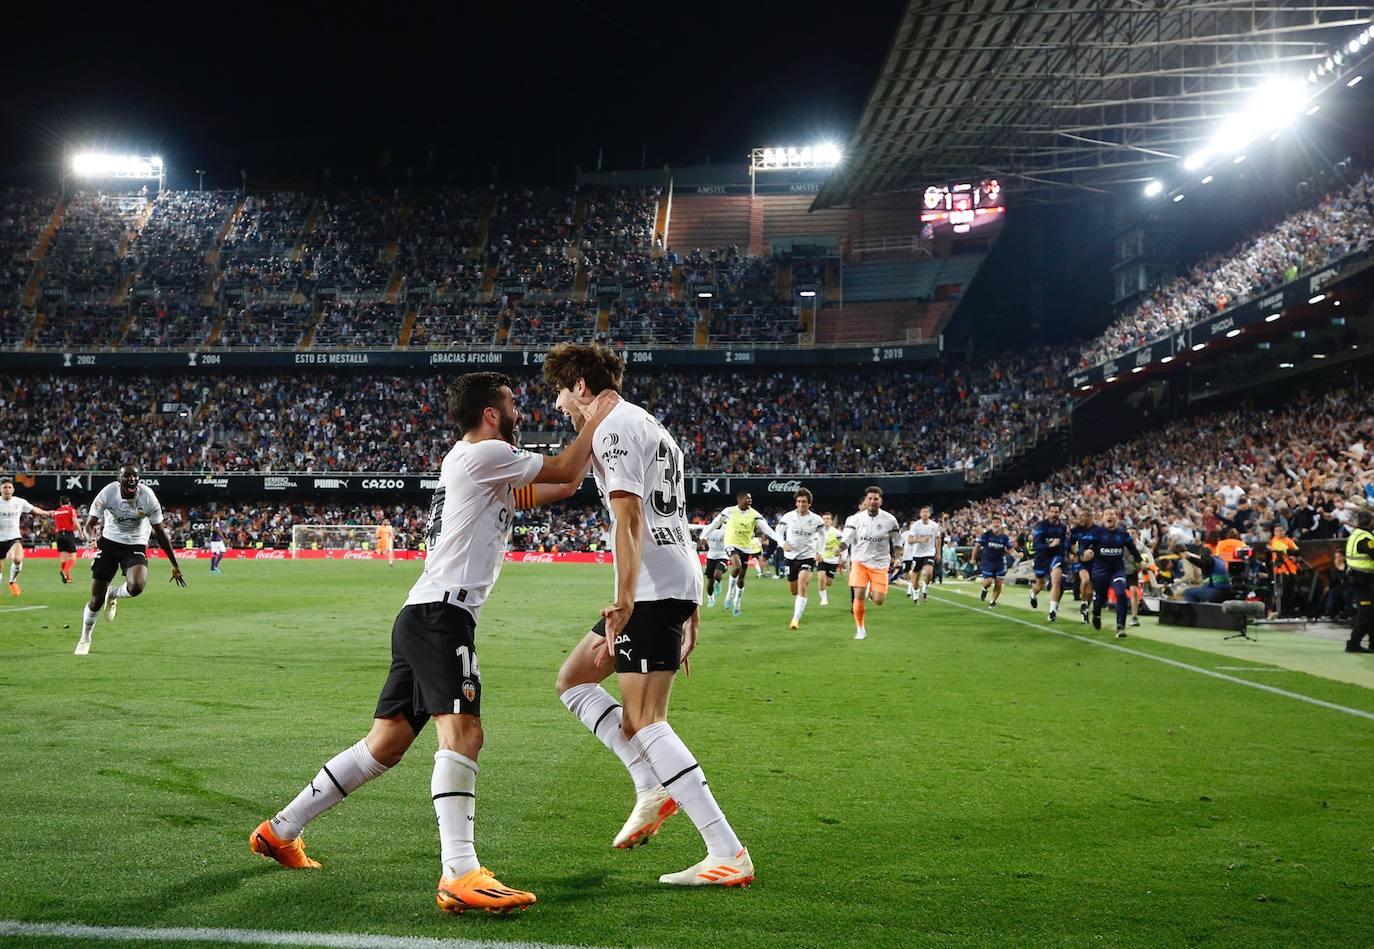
(1359, 557)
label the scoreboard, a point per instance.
(962, 206)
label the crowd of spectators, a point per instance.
(1342, 222)
(530, 241)
(1308, 466)
(358, 324)
(896, 419)
(169, 252)
(170, 321)
(23, 216)
(82, 325)
(441, 325)
(348, 246)
(259, 322)
(84, 259)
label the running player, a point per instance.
(1079, 574)
(650, 628)
(717, 560)
(217, 546)
(1048, 541)
(742, 523)
(386, 537)
(990, 553)
(926, 538)
(64, 521)
(118, 523)
(434, 671)
(1104, 552)
(831, 548)
(874, 538)
(11, 540)
(803, 533)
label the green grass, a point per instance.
(956, 779)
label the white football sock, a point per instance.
(798, 607)
(600, 712)
(739, 595)
(341, 775)
(121, 591)
(454, 788)
(88, 618)
(683, 777)
(825, 597)
(15, 567)
(924, 586)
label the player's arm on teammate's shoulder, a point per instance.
(164, 541)
(565, 467)
(538, 495)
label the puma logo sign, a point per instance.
(625, 653)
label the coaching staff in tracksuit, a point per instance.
(1359, 557)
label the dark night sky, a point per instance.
(534, 89)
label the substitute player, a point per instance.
(434, 670)
(64, 521)
(742, 523)
(651, 626)
(990, 553)
(118, 523)
(926, 538)
(1080, 576)
(874, 539)
(831, 549)
(386, 537)
(803, 543)
(717, 561)
(11, 540)
(1104, 551)
(1048, 540)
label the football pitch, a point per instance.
(958, 779)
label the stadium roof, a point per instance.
(1063, 98)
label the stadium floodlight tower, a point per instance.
(792, 158)
(106, 166)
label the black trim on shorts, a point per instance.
(113, 557)
(427, 677)
(744, 555)
(796, 565)
(828, 567)
(652, 639)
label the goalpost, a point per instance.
(332, 537)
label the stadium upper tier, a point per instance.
(879, 419)
(436, 268)
(1341, 222)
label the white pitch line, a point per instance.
(1360, 713)
(20, 609)
(254, 937)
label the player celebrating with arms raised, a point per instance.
(434, 671)
(874, 539)
(651, 626)
(743, 523)
(803, 533)
(11, 541)
(118, 523)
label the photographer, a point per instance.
(1216, 577)
(1359, 559)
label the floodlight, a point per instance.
(1354, 82)
(1153, 188)
(1178, 198)
(1166, 360)
(1317, 299)
(1329, 64)
(1338, 57)
(1233, 333)
(1084, 388)
(1199, 347)
(808, 293)
(1138, 369)
(1195, 161)
(705, 295)
(1238, 159)
(1353, 46)
(1208, 180)
(1319, 355)
(1272, 317)
(828, 153)
(101, 165)
(1314, 110)
(1285, 365)
(1110, 379)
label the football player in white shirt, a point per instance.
(803, 543)
(434, 671)
(118, 522)
(650, 628)
(924, 535)
(11, 541)
(717, 560)
(874, 538)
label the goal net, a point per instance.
(333, 537)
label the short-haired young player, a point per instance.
(832, 549)
(742, 523)
(11, 539)
(434, 671)
(874, 539)
(1104, 550)
(803, 543)
(717, 560)
(1049, 540)
(118, 522)
(925, 537)
(990, 552)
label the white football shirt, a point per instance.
(126, 520)
(633, 452)
(805, 535)
(10, 512)
(871, 538)
(715, 545)
(927, 537)
(470, 521)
